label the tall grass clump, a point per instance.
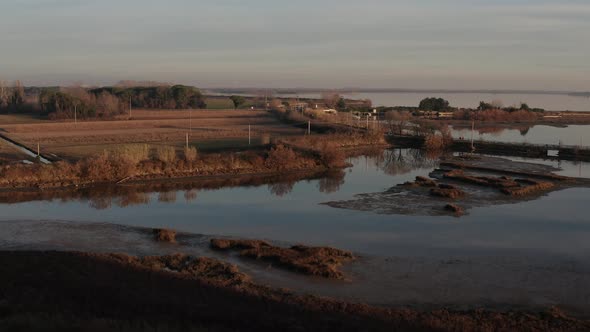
(135, 153)
(190, 154)
(166, 154)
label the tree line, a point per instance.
(105, 102)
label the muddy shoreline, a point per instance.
(463, 183)
(88, 288)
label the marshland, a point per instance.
(281, 202)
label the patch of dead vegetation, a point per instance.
(316, 261)
(200, 267)
(507, 185)
(164, 235)
(421, 181)
(529, 187)
(456, 209)
(447, 191)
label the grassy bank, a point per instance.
(142, 162)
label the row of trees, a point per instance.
(158, 97)
(11, 98)
(442, 105)
(66, 103)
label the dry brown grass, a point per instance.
(317, 261)
(164, 235)
(447, 191)
(456, 209)
(74, 141)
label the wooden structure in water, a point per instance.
(543, 151)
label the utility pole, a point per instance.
(367, 121)
(187, 141)
(472, 129)
(308, 127)
(38, 149)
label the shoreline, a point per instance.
(117, 287)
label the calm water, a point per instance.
(577, 135)
(292, 212)
(548, 102)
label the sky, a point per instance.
(418, 44)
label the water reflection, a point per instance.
(403, 161)
(576, 135)
(391, 162)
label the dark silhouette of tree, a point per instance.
(434, 104)
(341, 105)
(238, 101)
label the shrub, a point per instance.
(166, 154)
(280, 157)
(97, 168)
(164, 235)
(190, 154)
(134, 153)
(331, 155)
(434, 142)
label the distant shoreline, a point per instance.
(386, 90)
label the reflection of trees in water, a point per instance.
(494, 131)
(190, 195)
(332, 182)
(133, 198)
(100, 203)
(524, 130)
(103, 197)
(281, 188)
(167, 196)
(403, 161)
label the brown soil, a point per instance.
(164, 235)
(48, 291)
(316, 261)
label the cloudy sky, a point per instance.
(501, 44)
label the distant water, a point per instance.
(576, 135)
(546, 101)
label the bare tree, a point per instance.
(397, 121)
(18, 94)
(331, 99)
(3, 94)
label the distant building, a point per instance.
(444, 115)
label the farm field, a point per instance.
(218, 129)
